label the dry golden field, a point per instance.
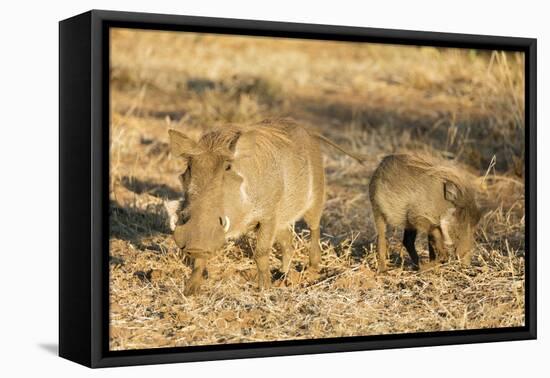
(462, 105)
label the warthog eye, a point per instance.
(227, 166)
(183, 218)
(221, 221)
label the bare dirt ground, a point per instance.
(463, 105)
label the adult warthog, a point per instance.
(419, 193)
(262, 177)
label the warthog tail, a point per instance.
(360, 158)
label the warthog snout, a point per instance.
(462, 234)
(194, 239)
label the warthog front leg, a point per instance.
(436, 246)
(266, 236)
(193, 284)
(431, 247)
(409, 237)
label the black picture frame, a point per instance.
(84, 202)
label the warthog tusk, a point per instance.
(172, 208)
(445, 223)
(226, 224)
(445, 231)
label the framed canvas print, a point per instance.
(234, 188)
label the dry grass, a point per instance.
(375, 99)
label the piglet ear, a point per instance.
(181, 145)
(451, 192)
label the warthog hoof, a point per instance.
(264, 281)
(429, 266)
(466, 260)
(314, 270)
(192, 287)
(382, 269)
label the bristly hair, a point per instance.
(270, 135)
(435, 167)
(218, 139)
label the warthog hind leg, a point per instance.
(313, 219)
(284, 239)
(266, 236)
(382, 247)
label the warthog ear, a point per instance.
(244, 146)
(233, 142)
(229, 147)
(451, 192)
(182, 145)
